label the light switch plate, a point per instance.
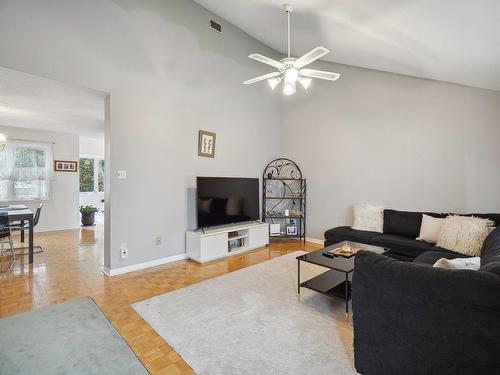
(121, 174)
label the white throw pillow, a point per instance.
(430, 228)
(459, 263)
(368, 217)
(464, 234)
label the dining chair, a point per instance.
(5, 233)
(20, 227)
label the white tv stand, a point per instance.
(221, 242)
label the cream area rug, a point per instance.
(251, 322)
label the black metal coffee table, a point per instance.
(336, 281)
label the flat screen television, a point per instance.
(226, 200)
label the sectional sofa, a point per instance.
(401, 228)
(411, 318)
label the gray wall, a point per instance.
(168, 76)
(61, 210)
(370, 137)
(397, 141)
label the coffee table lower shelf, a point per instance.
(323, 284)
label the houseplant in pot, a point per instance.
(88, 215)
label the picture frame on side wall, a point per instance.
(206, 144)
(65, 166)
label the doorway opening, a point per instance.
(54, 153)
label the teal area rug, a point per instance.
(69, 338)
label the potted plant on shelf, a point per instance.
(88, 215)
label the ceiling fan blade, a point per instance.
(261, 78)
(267, 60)
(312, 73)
(311, 56)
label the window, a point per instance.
(91, 175)
(25, 171)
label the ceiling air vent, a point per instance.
(216, 26)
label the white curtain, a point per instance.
(25, 171)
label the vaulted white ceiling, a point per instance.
(33, 102)
(449, 40)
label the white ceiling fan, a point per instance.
(290, 69)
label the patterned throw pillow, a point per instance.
(368, 217)
(464, 234)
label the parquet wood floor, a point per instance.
(71, 266)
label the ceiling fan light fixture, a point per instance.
(291, 75)
(289, 89)
(291, 69)
(273, 82)
(305, 82)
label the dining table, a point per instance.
(22, 214)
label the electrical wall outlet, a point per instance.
(123, 250)
(158, 241)
(121, 174)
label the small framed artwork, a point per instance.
(206, 144)
(291, 231)
(65, 166)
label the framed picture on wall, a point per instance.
(65, 166)
(206, 144)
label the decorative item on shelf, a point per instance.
(298, 193)
(291, 230)
(206, 144)
(65, 166)
(270, 213)
(283, 197)
(88, 215)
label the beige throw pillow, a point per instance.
(368, 217)
(464, 234)
(430, 228)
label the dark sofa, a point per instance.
(401, 228)
(411, 318)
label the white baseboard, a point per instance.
(141, 266)
(314, 240)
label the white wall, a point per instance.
(61, 210)
(168, 76)
(92, 146)
(393, 140)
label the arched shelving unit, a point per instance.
(284, 198)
